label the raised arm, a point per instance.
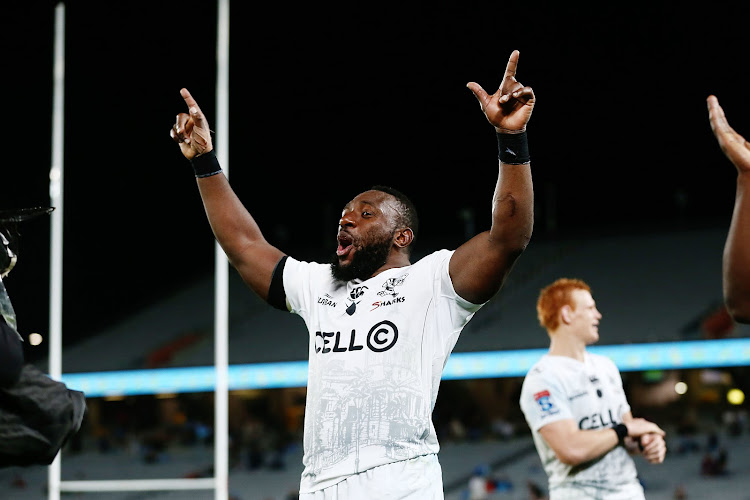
(479, 267)
(232, 225)
(736, 259)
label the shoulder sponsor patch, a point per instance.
(543, 400)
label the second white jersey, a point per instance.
(591, 394)
(377, 350)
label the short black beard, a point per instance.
(365, 262)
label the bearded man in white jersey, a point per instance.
(575, 405)
(380, 327)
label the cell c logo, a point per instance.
(382, 336)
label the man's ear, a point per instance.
(566, 314)
(403, 237)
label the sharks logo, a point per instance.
(391, 284)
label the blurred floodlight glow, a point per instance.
(735, 396)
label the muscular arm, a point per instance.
(479, 267)
(736, 258)
(238, 234)
(232, 225)
(574, 446)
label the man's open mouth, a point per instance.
(345, 244)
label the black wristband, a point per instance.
(206, 165)
(622, 431)
(513, 149)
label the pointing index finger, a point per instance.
(188, 98)
(195, 110)
(510, 69)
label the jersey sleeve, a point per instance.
(299, 280)
(543, 399)
(442, 261)
(454, 309)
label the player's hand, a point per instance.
(653, 448)
(509, 108)
(637, 427)
(191, 129)
(734, 146)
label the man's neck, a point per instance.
(393, 262)
(562, 345)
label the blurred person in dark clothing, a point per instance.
(736, 259)
(38, 415)
(11, 343)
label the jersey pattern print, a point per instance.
(377, 349)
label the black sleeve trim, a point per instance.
(276, 293)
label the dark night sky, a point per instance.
(327, 99)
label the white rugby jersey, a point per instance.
(591, 394)
(377, 350)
